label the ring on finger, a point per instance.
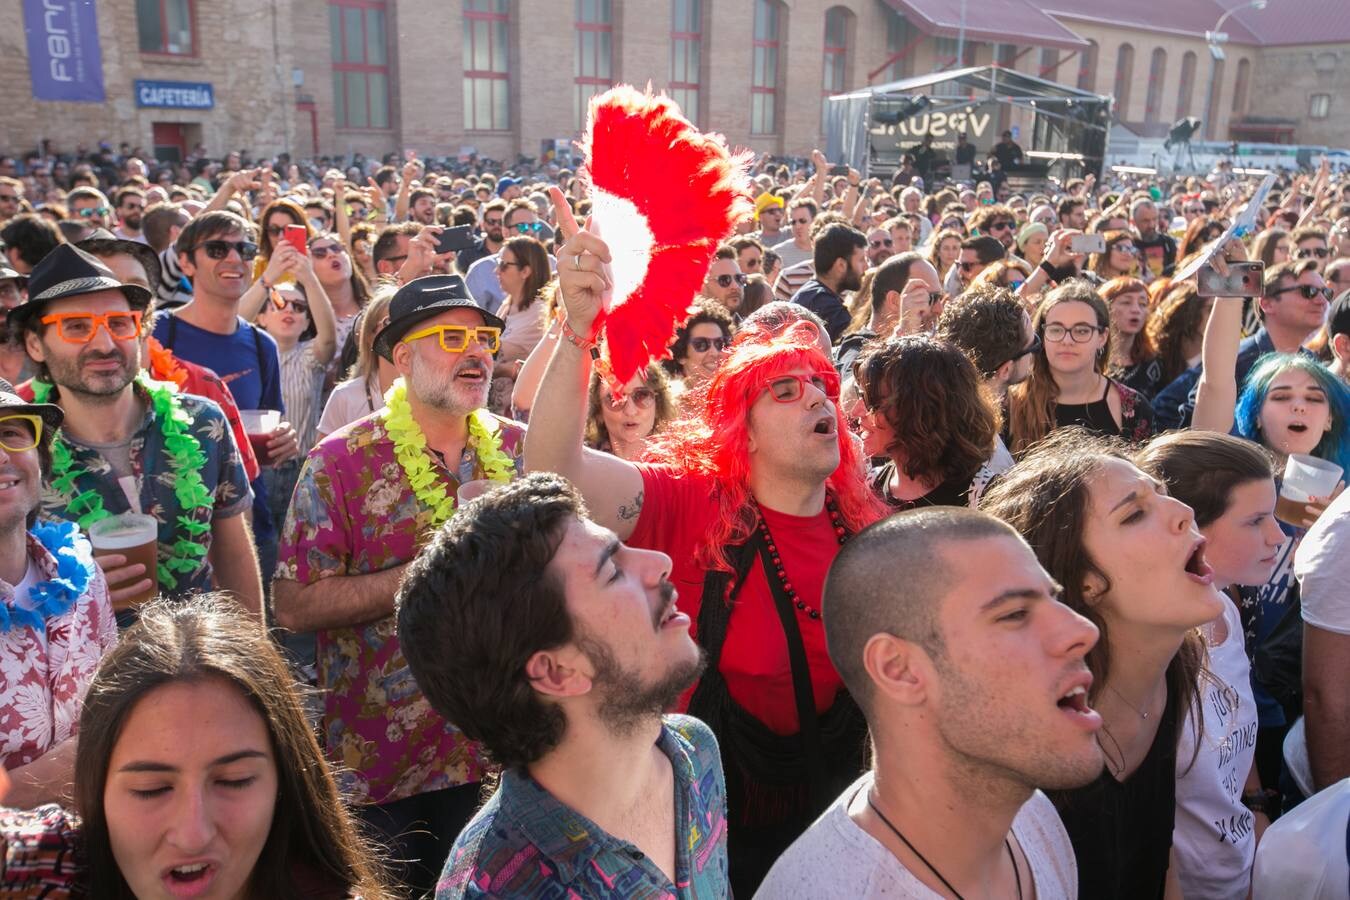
(576, 262)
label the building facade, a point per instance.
(511, 77)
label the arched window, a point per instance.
(835, 80)
(1186, 88)
(594, 68)
(686, 55)
(1124, 79)
(1087, 73)
(1157, 71)
(487, 68)
(1240, 86)
(764, 77)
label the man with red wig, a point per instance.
(752, 498)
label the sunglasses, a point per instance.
(91, 211)
(491, 223)
(281, 303)
(726, 280)
(1123, 248)
(530, 227)
(703, 344)
(80, 328)
(456, 338)
(19, 432)
(1310, 252)
(967, 266)
(1307, 290)
(642, 398)
(247, 250)
(877, 245)
(9, 198)
(276, 230)
(952, 225)
(1033, 347)
(1000, 225)
(321, 252)
(789, 388)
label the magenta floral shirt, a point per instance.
(353, 513)
(43, 676)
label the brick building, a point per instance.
(508, 77)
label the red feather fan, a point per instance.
(663, 196)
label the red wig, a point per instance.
(714, 440)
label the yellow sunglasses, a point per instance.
(20, 433)
(456, 338)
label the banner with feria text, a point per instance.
(64, 58)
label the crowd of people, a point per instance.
(955, 547)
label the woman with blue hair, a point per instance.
(1290, 403)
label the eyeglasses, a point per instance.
(9, 198)
(1310, 252)
(508, 264)
(789, 388)
(1081, 334)
(321, 252)
(877, 245)
(530, 227)
(281, 303)
(19, 432)
(80, 328)
(1123, 247)
(456, 338)
(726, 280)
(703, 344)
(1001, 225)
(1307, 290)
(247, 250)
(90, 211)
(1033, 347)
(642, 398)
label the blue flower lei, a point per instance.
(74, 571)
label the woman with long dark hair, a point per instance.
(1177, 329)
(196, 774)
(1131, 559)
(923, 407)
(1068, 383)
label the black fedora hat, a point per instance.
(11, 402)
(67, 272)
(422, 298)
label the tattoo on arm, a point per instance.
(630, 511)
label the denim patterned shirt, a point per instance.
(222, 475)
(524, 843)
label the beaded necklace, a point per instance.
(841, 534)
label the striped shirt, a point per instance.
(301, 390)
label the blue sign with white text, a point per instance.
(64, 58)
(175, 94)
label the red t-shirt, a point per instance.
(677, 514)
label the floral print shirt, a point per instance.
(223, 475)
(354, 513)
(43, 676)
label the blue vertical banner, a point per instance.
(64, 58)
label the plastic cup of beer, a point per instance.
(259, 425)
(470, 490)
(136, 537)
(1305, 477)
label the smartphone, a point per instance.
(1243, 280)
(838, 170)
(456, 238)
(1087, 243)
(298, 237)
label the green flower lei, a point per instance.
(186, 461)
(410, 449)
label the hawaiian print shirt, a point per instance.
(43, 677)
(525, 844)
(222, 475)
(354, 513)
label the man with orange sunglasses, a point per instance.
(131, 444)
(366, 500)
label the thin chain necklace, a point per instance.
(840, 533)
(1007, 843)
(1137, 711)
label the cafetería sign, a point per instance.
(175, 94)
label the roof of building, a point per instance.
(1050, 23)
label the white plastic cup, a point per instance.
(470, 490)
(259, 425)
(1305, 477)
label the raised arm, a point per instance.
(1216, 396)
(612, 486)
(320, 310)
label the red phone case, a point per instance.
(297, 237)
